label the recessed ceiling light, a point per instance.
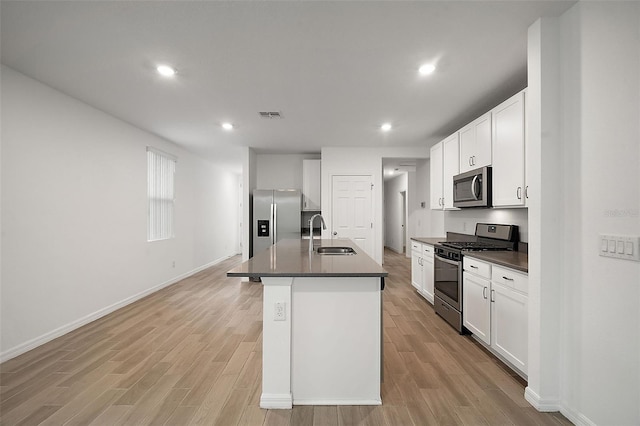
(427, 69)
(385, 127)
(166, 70)
(227, 126)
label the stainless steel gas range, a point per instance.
(448, 285)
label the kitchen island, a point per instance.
(322, 324)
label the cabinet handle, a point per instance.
(484, 292)
(473, 266)
(471, 161)
(519, 193)
(507, 278)
(474, 160)
(493, 299)
(526, 191)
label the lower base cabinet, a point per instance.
(427, 272)
(495, 310)
(422, 269)
(509, 337)
(477, 306)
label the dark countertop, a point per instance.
(429, 240)
(290, 258)
(517, 260)
(509, 259)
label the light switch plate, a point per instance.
(619, 246)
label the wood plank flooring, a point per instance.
(191, 354)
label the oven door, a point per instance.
(448, 281)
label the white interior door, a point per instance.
(352, 211)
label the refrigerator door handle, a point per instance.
(274, 238)
(271, 223)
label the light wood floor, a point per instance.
(191, 354)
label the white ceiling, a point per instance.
(335, 70)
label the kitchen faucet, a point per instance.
(311, 230)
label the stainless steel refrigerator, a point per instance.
(276, 216)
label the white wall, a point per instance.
(599, 330)
(421, 220)
(464, 221)
(362, 161)
(280, 171)
(393, 212)
(75, 214)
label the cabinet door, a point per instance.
(482, 156)
(436, 176)
(467, 147)
(311, 184)
(450, 165)
(476, 306)
(509, 314)
(508, 153)
(475, 144)
(416, 269)
(427, 272)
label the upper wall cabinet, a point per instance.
(509, 152)
(450, 168)
(435, 174)
(310, 185)
(444, 166)
(475, 144)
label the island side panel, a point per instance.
(336, 341)
(276, 344)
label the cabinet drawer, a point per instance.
(510, 278)
(427, 252)
(477, 267)
(416, 246)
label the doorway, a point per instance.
(352, 210)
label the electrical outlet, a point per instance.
(279, 313)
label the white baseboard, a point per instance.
(543, 405)
(273, 401)
(61, 331)
(337, 401)
(548, 405)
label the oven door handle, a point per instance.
(450, 262)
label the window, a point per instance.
(161, 169)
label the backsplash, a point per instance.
(464, 221)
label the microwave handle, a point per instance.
(473, 187)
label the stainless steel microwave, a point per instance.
(472, 188)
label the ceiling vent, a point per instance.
(270, 114)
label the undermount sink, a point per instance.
(335, 250)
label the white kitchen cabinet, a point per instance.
(495, 309)
(475, 144)
(435, 172)
(508, 163)
(416, 265)
(422, 269)
(450, 168)
(311, 185)
(509, 336)
(476, 305)
(444, 165)
(427, 272)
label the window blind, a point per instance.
(161, 169)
